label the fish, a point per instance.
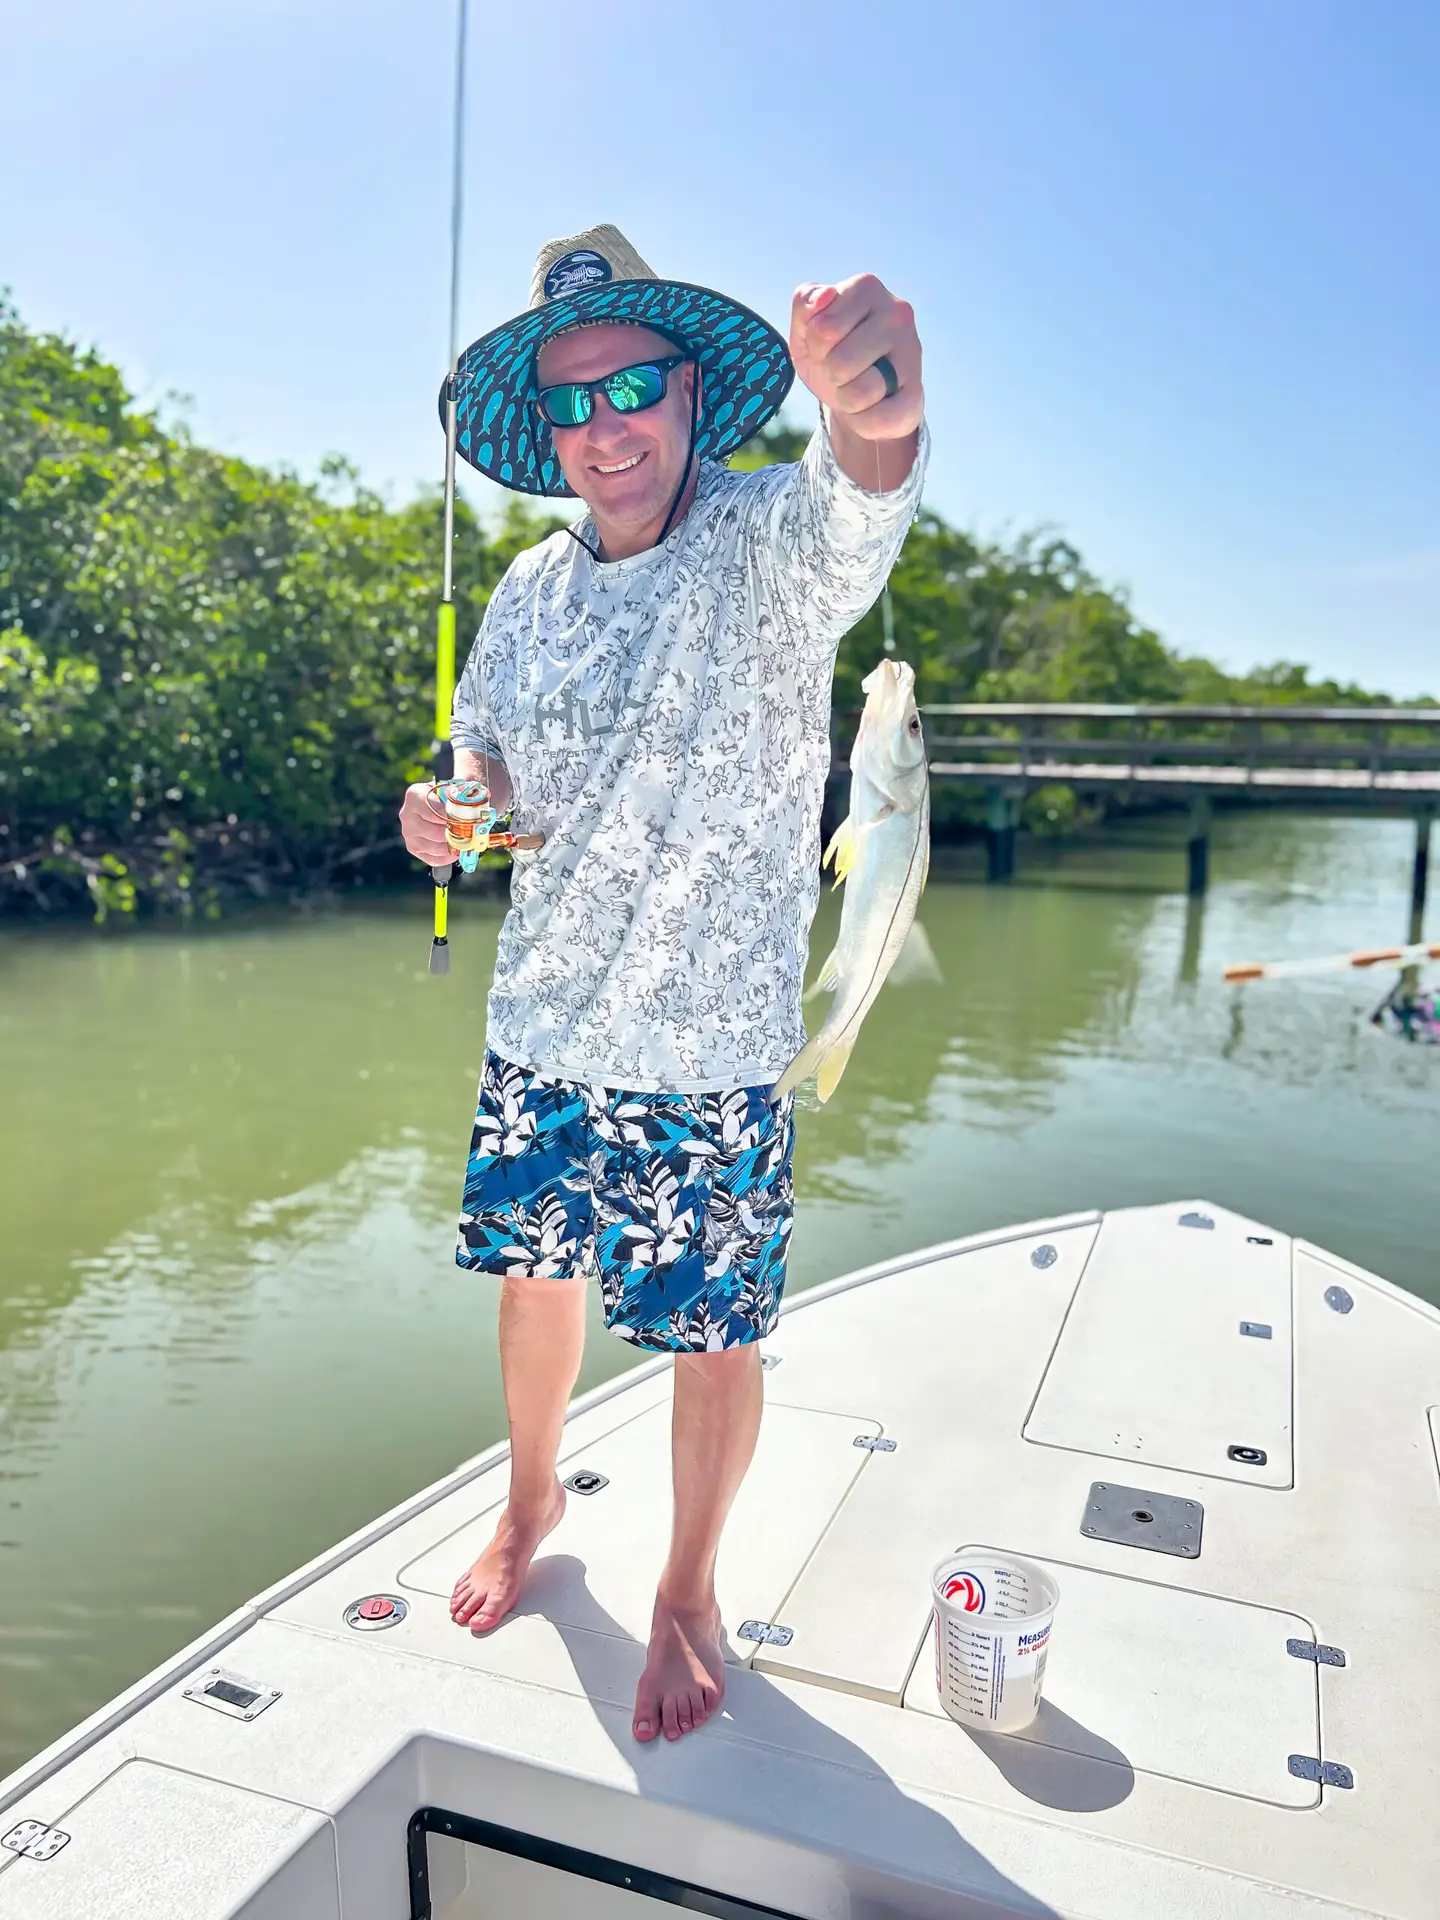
(881, 851)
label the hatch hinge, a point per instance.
(35, 1840)
(1326, 1773)
(765, 1633)
(875, 1443)
(1317, 1651)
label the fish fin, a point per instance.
(915, 964)
(841, 851)
(831, 1068)
(828, 977)
(844, 844)
(819, 1059)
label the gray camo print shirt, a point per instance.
(665, 724)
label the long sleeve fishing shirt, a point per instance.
(664, 721)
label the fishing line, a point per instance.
(887, 611)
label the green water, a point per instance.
(230, 1329)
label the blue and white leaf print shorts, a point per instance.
(680, 1203)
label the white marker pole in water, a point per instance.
(1412, 956)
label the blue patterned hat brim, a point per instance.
(745, 367)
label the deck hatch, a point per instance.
(596, 1571)
(1148, 1368)
(1189, 1686)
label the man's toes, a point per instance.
(472, 1604)
(670, 1717)
(699, 1709)
(486, 1613)
(647, 1716)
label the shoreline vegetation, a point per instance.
(216, 679)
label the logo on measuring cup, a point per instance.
(968, 1590)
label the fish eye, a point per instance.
(914, 723)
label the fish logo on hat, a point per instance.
(576, 272)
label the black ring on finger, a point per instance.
(888, 374)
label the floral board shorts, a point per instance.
(680, 1203)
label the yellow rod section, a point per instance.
(444, 667)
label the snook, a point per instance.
(882, 853)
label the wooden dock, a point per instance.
(1377, 759)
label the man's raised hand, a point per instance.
(837, 333)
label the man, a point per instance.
(650, 691)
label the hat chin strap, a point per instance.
(593, 552)
(690, 452)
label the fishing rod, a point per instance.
(1411, 956)
(469, 816)
(441, 753)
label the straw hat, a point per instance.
(593, 277)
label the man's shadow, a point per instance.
(843, 1798)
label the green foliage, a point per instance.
(217, 678)
(197, 653)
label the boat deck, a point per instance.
(1187, 1758)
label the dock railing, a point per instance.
(1382, 753)
(1383, 759)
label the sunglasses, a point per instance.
(628, 389)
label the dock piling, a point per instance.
(1420, 879)
(1197, 847)
(1002, 820)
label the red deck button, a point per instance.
(377, 1607)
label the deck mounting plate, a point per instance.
(1135, 1517)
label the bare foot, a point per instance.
(684, 1678)
(486, 1593)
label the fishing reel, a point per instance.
(469, 832)
(469, 817)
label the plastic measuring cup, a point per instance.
(992, 1632)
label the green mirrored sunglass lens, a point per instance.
(567, 406)
(634, 387)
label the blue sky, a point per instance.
(1175, 266)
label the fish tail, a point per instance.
(821, 1058)
(832, 1066)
